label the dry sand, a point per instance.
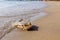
(49, 26)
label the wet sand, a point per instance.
(49, 26)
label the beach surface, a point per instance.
(48, 26)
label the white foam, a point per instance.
(10, 8)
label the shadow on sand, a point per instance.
(33, 28)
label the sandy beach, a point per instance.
(49, 26)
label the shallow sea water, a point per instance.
(11, 14)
